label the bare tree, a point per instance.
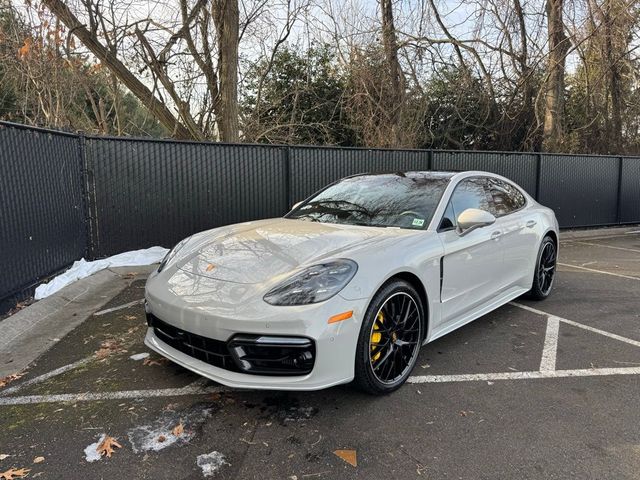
(198, 88)
(559, 45)
(226, 19)
(394, 71)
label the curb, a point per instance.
(32, 331)
(603, 232)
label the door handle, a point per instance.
(496, 234)
(531, 223)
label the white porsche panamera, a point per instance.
(351, 282)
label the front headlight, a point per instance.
(314, 284)
(171, 254)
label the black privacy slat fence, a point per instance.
(43, 225)
(65, 196)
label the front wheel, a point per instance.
(545, 272)
(390, 338)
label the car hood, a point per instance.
(255, 252)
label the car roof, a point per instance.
(434, 174)
(411, 174)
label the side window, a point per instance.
(448, 219)
(470, 193)
(506, 198)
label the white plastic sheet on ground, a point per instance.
(82, 269)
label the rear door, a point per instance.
(472, 264)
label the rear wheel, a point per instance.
(390, 338)
(545, 272)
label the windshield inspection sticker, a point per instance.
(417, 222)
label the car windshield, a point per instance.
(404, 200)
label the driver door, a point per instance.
(472, 264)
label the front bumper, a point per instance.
(334, 344)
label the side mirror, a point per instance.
(473, 218)
(296, 205)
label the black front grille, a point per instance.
(213, 352)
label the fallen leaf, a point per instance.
(106, 446)
(4, 381)
(160, 361)
(38, 460)
(130, 317)
(162, 438)
(348, 456)
(463, 413)
(130, 275)
(107, 348)
(13, 473)
(178, 430)
(4, 455)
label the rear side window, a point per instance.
(470, 193)
(506, 198)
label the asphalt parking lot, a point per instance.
(533, 390)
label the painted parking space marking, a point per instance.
(535, 374)
(547, 361)
(117, 395)
(593, 270)
(119, 307)
(550, 349)
(579, 325)
(46, 376)
(624, 249)
(203, 386)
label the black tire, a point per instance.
(398, 341)
(545, 272)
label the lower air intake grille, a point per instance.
(208, 350)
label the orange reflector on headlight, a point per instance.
(341, 316)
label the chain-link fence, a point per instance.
(64, 196)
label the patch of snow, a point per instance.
(210, 463)
(139, 356)
(82, 269)
(147, 437)
(91, 452)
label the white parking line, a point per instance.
(634, 250)
(579, 325)
(46, 376)
(548, 361)
(119, 395)
(488, 377)
(119, 307)
(599, 271)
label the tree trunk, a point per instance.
(157, 108)
(396, 77)
(226, 18)
(613, 65)
(553, 133)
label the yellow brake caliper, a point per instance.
(376, 336)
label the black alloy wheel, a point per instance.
(545, 270)
(390, 338)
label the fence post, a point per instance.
(287, 177)
(538, 174)
(89, 187)
(619, 192)
(85, 193)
